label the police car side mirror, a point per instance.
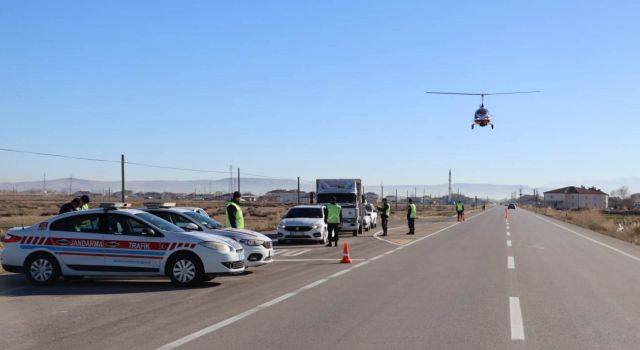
(191, 227)
(148, 231)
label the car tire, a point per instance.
(360, 229)
(185, 270)
(355, 233)
(42, 269)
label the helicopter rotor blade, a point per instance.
(481, 93)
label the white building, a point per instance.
(576, 198)
(285, 196)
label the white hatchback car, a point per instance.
(303, 222)
(258, 248)
(117, 242)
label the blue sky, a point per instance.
(322, 89)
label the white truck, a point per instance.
(348, 194)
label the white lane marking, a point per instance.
(314, 284)
(511, 263)
(377, 235)
(515, 314)
(296, 252)
(340, 273)
(591, 239)
(280, 251)
(311, 259)
(375, 257)
(508, 233)
(195, 335)
(508, 243)
(361, 264)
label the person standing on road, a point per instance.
(411, 217)
(333, 218)
(460, 210)
(84, 202)
(233, 212)
(386, 212)
(71, 206)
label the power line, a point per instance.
(58, 155)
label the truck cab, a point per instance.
(348, 194)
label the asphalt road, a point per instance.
(528, 282)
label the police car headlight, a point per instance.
(252, 242)
(315, 226)
(281, 225)
(217, 246)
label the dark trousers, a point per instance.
(333, 232)
(461, 215)
(385, 221)
(412, 225)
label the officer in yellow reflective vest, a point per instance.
(235, 219)
(460, 210)
(411, 217)
(333, 218)
(385, 213)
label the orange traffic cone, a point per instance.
(345, 255)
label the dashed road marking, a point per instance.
(508, 243)
(312, 259)
(511, 264)
(515, 314)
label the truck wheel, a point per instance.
(42, 269)
(355, 233)
(360, 229)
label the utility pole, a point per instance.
(44, 183)
(298, 190)
(381, 190)
(449, 199)
(122, 173)
(239, 182)
(396, 199)
(70, 184)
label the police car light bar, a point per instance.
(115, 205)
(158, 205)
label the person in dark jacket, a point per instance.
(71, 206)
(385, 212)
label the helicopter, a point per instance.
(482, 117)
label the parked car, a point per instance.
(114, 241)
(512, 206)
(372, 213)
(258, 248)
(303, 222)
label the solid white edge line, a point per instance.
(590, 239)
(515, 315)
(296, 252)
(511, 264)
(311, 259)
(195, 335)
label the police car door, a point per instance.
(133, 247)
(77, 241)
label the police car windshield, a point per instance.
(315, 213)
(204, 220)
(159, 223)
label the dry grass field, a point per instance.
(626, 228)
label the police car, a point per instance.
(258, 248)
(115, 241)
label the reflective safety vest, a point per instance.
(387, 210)
(333, 213)
(459, 207)
(84, 207)
(413, 213)
(239, 216)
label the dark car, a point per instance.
(512, 206)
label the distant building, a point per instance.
(285, 196)
(573, 197)
(371, 197)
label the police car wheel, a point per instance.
(185, 270)
(42, 269)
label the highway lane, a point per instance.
(453, 286)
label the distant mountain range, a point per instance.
(260, 186)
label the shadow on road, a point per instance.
(9, 287)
